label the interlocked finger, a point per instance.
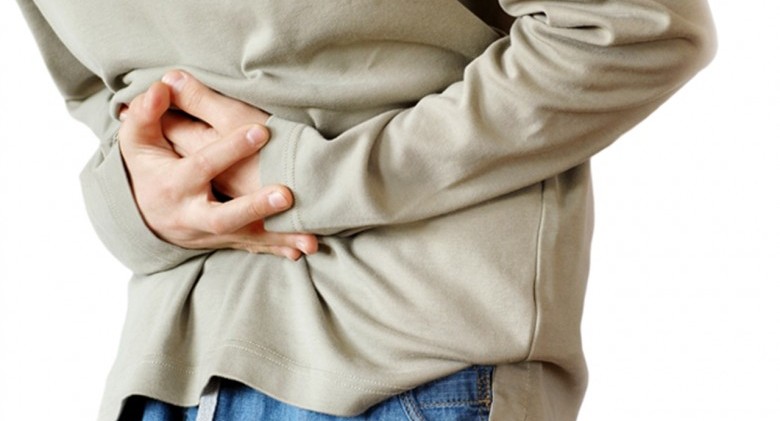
(142, 126)
(214, 159)
(175, 194)
(222, 218)
(255, 239)
(186, 134)
(197, 99)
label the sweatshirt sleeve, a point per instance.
(107, 193)
(569, 79)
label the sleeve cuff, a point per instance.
(118, 222)
(277, 166)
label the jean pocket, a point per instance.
(464, 396)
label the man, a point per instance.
(442, 163)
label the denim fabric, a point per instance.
(463, 396)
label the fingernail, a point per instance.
(301, 245)
(174, 79)
(277, 200)
(255, 136)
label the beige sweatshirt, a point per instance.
(444, 163)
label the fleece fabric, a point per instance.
(439, 147)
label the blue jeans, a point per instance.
(463, 396)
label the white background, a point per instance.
(682, 318)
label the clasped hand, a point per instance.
(181, 142)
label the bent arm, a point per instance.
(109, 199)
(568, 80)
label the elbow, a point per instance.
(701, 36)
(687, 45)
(708, 43)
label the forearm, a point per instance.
(569, 79)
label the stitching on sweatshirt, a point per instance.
(537, 267)
(271, 351)
(179, 364)
(282, 361)
(189, 369)
(295, 364)
(174, 367)
(289, 169)
(302, 370)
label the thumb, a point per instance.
(142, 126)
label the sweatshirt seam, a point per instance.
(537, 271)
(259, 349)
(184, 369)
(277, 359)
(295, 368)
(291, 156)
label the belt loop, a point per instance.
(485, 385)
(207, 406)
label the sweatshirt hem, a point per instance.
(170, 379)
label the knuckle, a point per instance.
(136, 102)
(250, 248)
(256, 209)
(231, 115)
(216, 225)
(202, 164)
(193, 96)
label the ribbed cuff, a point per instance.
(277, 166)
